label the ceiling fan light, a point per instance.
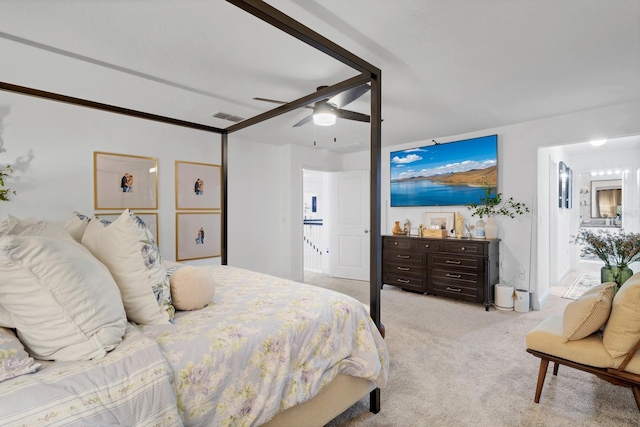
(597, 142)
(324, 119)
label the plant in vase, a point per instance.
(492, 205)
(617, 250)
(4, 192)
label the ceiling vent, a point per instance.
(225, 116)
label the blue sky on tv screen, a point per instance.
(460, 156)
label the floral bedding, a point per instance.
(131, 385)
(263, 345)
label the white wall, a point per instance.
(525, 176)
(58, 179)
(265, 195)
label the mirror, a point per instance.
(606, 198)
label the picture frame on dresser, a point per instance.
(198, 235)
(198, 185)
(446, 219)
(123, 181)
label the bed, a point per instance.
(122, 337)
(337, 389)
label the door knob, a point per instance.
(366, 231)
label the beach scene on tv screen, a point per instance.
(446, 174)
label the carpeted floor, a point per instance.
(454, 364)
(583, 282)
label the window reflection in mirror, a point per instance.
(606, 198)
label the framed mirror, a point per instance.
(606, 198)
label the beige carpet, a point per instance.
(454, 364)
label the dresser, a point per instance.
(464, 268)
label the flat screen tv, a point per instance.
(445, 174)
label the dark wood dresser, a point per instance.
(458, 268)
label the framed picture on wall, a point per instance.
(197, 186)
(198, 235)
(123, 181)
(150, 219)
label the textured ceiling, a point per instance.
(448, 66)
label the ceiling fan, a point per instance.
(327, 110)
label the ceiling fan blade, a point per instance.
(304, 121)
(348, 96)
(270, 100)
(276, 101)
(352, 115)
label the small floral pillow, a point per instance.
(14, 360)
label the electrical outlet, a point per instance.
(522, 273)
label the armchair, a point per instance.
(598, 333)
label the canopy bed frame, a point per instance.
(367, 73)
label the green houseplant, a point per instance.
(4, 192)
(617, 250)
(491, 205)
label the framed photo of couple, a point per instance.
(198, 235)
(197, 186)
(123, 181)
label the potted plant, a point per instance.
(617, 250)
(4, 192)
(492, 205)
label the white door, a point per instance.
(350, 238)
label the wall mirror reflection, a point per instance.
(606, 198)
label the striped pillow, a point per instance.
(588, 313)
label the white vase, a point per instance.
(491, 228)
(480, 230)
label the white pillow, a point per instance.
(63, 302)
(76, 225)
(14, 225)
(14, 361)
(127, 248)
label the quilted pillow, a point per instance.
(63, 302)
(588, 313)
(126, 246)
(191, 287)
(14, 361)
(623, 328)
(76, 225)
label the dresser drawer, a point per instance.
(456, 262)
(405, 282)
(461, 278)
(404, 268)
(465, 247)
(459, 291)
(396, 243)
(405, 256)
(430, 245)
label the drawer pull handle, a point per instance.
(455, 276)
(402, 280)
(403, 256)
(426, 246)
(453, 262)
(395, 243)
(403, 268)
(464, 249)
(453, 289)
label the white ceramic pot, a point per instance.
(491, 228)
(480, 229)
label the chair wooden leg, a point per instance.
(555, 368)
(636, 394)
(544, 364)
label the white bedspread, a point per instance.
(131, 386)
(263, 345)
